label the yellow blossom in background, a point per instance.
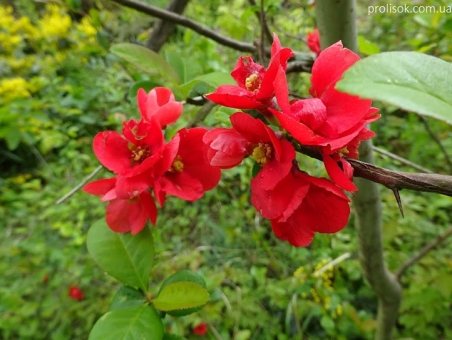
(6, 18)
(85, 26)
(55, 23)
(13, 88)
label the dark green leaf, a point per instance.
(126, 257)
(146, 60)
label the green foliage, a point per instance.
(412, 81)
(128, 258)
(139, 322)
(259, 287)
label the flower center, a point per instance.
(177, 165)
(139, 153)
(262, 153)
(253, 83)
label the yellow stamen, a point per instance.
(253, 83)
(262, 153)
(177, 165)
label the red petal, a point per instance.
(225, 148)
(245, 67)
(100, 187)
(124, 216)
(235, 97)
(337, 175)
(112, 151)
(329, 67)
(252, 129)
(292, 231)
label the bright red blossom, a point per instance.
(255, 83)
(200, 329)
(333, 121)
(75, 293)
(160, 104)
(313, 41)
(301, 205)
(142, 162)
(250, 137)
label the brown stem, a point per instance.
(394, 180)
(163, 29)
(424, 251)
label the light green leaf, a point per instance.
(412, 81)
(213, 79)
(13, 137)
(140, 322)
(126, 257)
(181, 295)
(146, 60)
(366, 47)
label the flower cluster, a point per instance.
(145, 164)
(334, 123)
(297, 204)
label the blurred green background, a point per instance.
(59, 86)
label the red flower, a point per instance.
(201, 329)
(124, 214)
(313, 41)
(75, 293)
(255, 84)
(332, 120)
(159, 103)
(250, 137)
(301, 205)
(186, 174)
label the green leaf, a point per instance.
(178, 64)
(184, 276)
(127, 297)
(409, 80)
(181, 295)
(213, 79)
(173, 337)
(141, 322)
(366, 47)
(126, 257)
(146, 60)
(13, 137)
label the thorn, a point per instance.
(399, 202)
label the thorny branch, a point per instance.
(394, 180)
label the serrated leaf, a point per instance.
(126, 257)
(141, 322)
(127, 297)
(146, 60)
(412, 81)
(184, 276)
(181, 295)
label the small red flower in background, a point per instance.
(201, 329)
(255, 83)
(45, 278)
(313, 41)
(75, 293)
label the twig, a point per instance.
(401, 160)
(436, 139)
(331, 264)
(80, 185)
(265, 29)
(440, 184)
(424, 251)
(300, 66)
(189, 23)
(201, 114)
